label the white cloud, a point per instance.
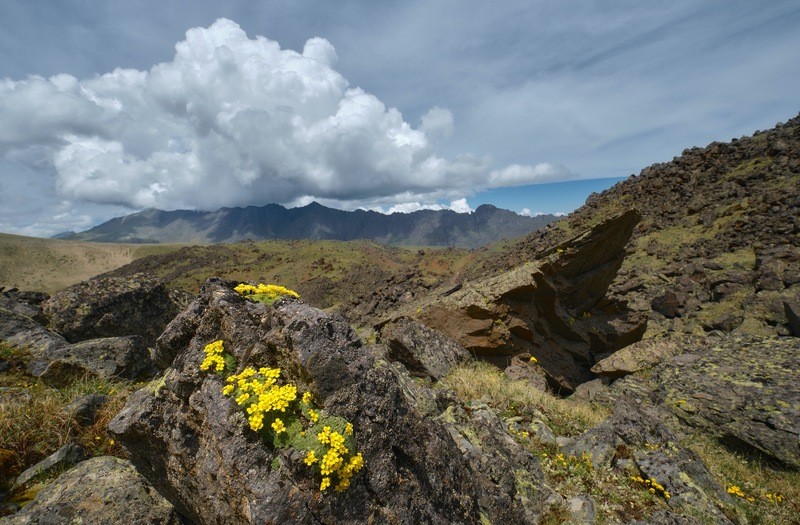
(234, 121)
(437, 123)
(458, 206)
(518, 175)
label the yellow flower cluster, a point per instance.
(652, 486)
(739, 493)
(213, 357)
(333, 462)
(774, 497)
(258, 393)
(265, 293)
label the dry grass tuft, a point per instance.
(479, 381)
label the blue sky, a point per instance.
(110, 107)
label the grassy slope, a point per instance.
(47, 265)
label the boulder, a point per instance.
(107, 357)
(744, 390)
(84, 409)
(20, 331)
(99, 491)
(112, 307)
(553, 308)
(424, 352)
(195, 446)
(638, 356)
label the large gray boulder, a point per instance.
(98, 491)
(112, 307)
(195, 446)
(20, 331)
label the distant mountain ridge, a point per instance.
(316, 222)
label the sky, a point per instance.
(107, 108)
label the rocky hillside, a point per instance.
(421, 228)
(718, 247)
(635, 363)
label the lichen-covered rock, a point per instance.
(195, 446)
(108, 357)
(99, 491)
(742, 390)
(61, 459)
(111, 307)
(424, 352)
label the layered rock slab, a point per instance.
(194, 444)
(553, 308)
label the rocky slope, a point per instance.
(421, 228)
(718, 247)
(679, 349)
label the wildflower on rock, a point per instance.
(278, 426)
(311, 458)
(533, 360)
(326, 482)
(313, 415)
(213, 357)
(307, 398)
(348, 429)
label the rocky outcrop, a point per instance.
(61, 459)
(424, 352)
(638, 356)
(553, 309)
(194, 444)
(718, 245)
(112, 307)
(98, 491)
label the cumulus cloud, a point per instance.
(458, 206)
(234, 121)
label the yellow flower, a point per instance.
(313, 415)
(278, 426)
(348, 429)
(311, 458)
(326, 482)
(533, 360)
(227, 390)
(307, 398)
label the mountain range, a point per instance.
(316, 222)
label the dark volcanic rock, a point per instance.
(111, 307)
(99, 491)
(640, 431)
(194, 445)
(424, 352)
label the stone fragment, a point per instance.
(61, 459)
(638, 356)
